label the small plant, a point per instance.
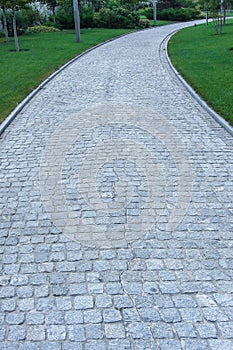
(144, 23)
(42, 29)
(118, 17)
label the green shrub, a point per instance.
(27, 17)
(144, 23)
(148, 12)
(116, 18)
(42, 29)
(65, 17)
(86, 17)
(178, 14)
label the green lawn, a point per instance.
(205, 60)
(42, 54)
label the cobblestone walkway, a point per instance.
(116, 210)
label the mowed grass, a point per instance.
(41, 55)
(205, 60)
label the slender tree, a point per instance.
(76, 16)
(76, 20)
(3, 7)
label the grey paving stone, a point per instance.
(96, 345)
(103, 301)
(76, 333)
(36, 333)
(138, 330)
(131, 315)
(111, 315)
(25, 292)
(42, 304)
(191, 314)
(83, 302)
(55, 317)
(15, 318)
(150, 315)
(170, 315)
(114, 288)
(9, 346)
(226, 329)
(57, 278)
(7, 292)
(49, 345)
(94, 331)
(56, 332)
(41, 291)
(185, 330)
(207, 330)
(223, 344)
(121, 344)
(73, 346)
(114, 331)
(73, 317)
(196, 344)
(63, 303)
(7, 305)
(28, 346)
(214, 314)
(162, 330)
(122, 301)
(2, 334)
(170, 344)
(17, 333)
(35, 318)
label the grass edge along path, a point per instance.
(42, 54)
(205, 61)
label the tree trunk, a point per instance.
(93, 6)
(224, 15)
(76, 20)
(207, 13)
(15, 32)
(54, 14)
(5, 24)
(154, 11)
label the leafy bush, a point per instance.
(178, 14)
(64, 16)
(116, 18)
(144, 23)
(42, 29)
(27, 17)
(148, 12)
(86, 17)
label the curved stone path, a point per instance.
(116, 210)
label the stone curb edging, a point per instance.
(214, 114)
(28, 98)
